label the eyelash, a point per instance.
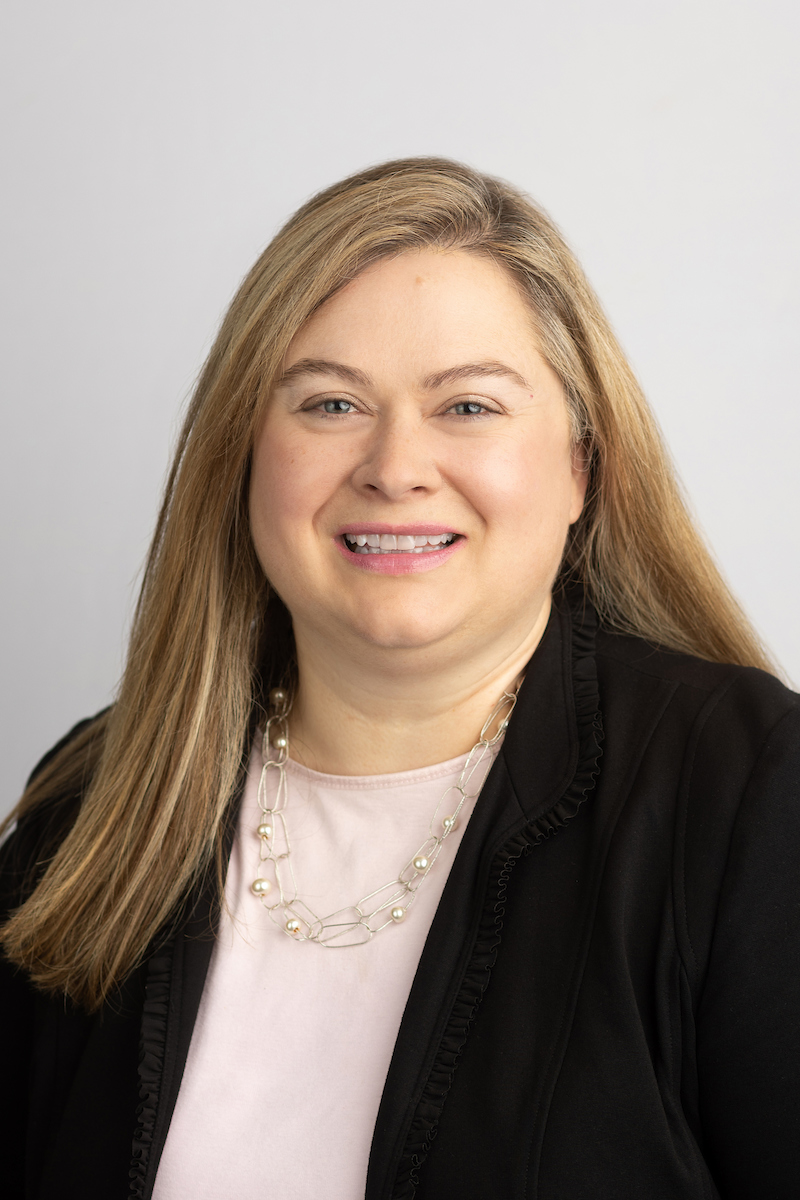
(469, 416)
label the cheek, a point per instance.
(525, 484)
(277, 488)
(290, 481)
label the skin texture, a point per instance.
(396, 670)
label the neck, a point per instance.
(388, 712)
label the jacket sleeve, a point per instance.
(17, 1011)
(19, 853)
(748, 1010)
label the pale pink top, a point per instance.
(293, 1041)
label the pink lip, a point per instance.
(399, 564)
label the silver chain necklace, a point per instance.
(386, 905)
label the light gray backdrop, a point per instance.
(151, 150)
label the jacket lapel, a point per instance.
(545, 769)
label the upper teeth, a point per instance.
(374, 543)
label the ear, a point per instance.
(581, 459)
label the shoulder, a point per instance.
(746, 698)
(715, 733)
(720, 751)
(46, 812)
(69, 738)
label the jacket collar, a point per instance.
(557, 723)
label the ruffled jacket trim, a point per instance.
(151, 1065)
(477, 973)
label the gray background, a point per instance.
(150, 151)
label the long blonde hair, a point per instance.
(162, 764)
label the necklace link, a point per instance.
(275, 885)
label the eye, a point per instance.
(331, 406)
(337, 406)
(471, 409)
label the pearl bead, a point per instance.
(277, 697)
(280, 742)
(260, 887)
(265, 831)
(420, 863)
(449, 823)
(398, 914)
(292, 926)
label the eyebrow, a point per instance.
(475, 370)
(322, 366)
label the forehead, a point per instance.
(424, 303)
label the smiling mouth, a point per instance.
(400, 543)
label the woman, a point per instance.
(417, 491)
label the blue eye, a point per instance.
(336, 406)
(469, 408)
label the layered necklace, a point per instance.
(275, 883)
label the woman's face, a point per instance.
(413, 480)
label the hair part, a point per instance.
(208, 637)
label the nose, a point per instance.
(398, 461)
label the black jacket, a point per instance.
(608, 1003)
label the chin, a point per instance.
(402, 631)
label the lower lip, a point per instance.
(400, 564)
